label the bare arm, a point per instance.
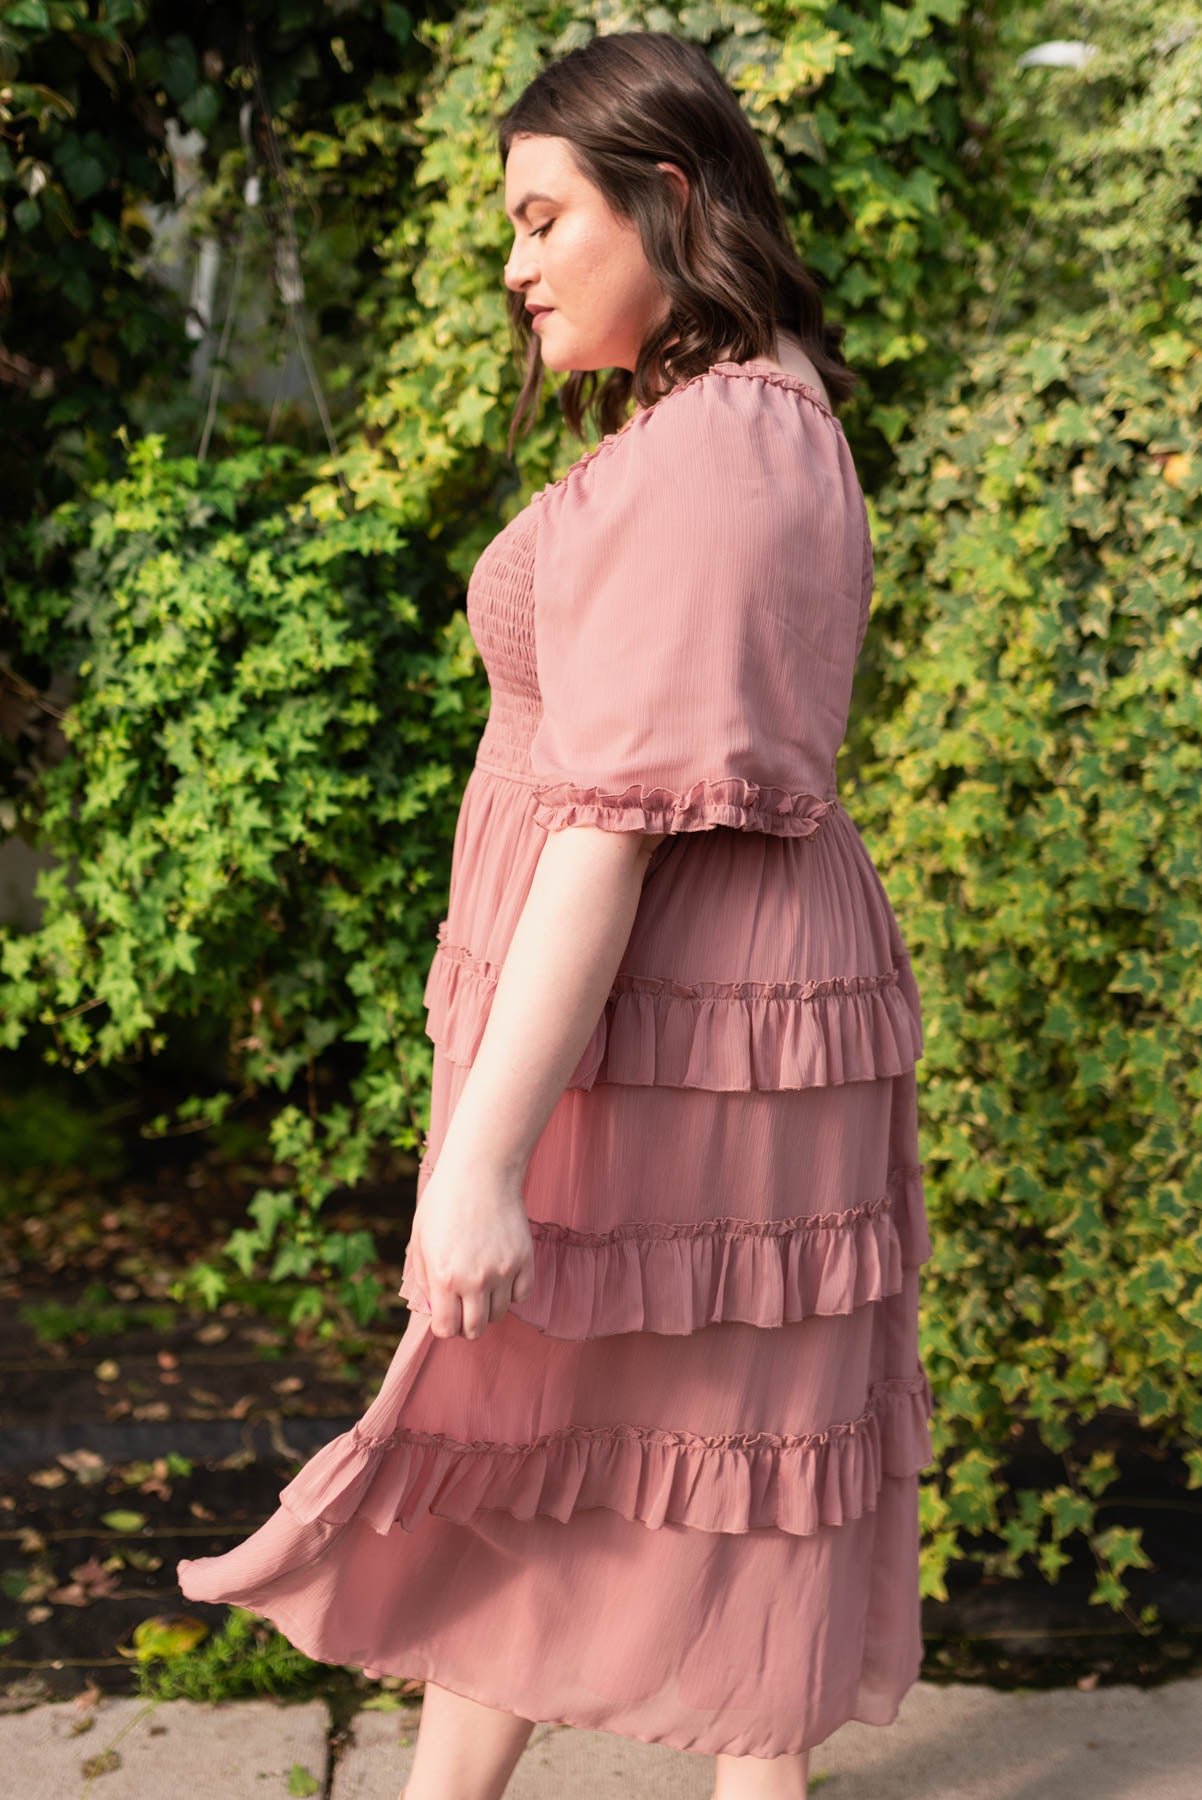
(470, 1243)
(557, 974)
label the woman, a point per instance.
(647, 1457)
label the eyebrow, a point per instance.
(519, 211)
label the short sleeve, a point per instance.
(698, 584)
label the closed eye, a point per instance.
(543, 229)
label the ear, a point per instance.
(679, 180)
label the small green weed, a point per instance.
(247, 1656)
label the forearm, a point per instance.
(552, 989)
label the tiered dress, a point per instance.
(673, 1493)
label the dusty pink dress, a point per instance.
(674, 1493)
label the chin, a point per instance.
(561, 361)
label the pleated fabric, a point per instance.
(673, 1493)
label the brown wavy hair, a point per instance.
(725, 260)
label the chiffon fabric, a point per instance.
(673, 1493)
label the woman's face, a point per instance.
(572, 254)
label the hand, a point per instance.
(470, 1251)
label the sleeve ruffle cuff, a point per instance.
(732, 801)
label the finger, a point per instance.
(523, 1281)
(499, 1303)
(446, 1313)
(475, 1313)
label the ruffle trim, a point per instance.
(743, 805)
(736, 1481)
(735, 1035)
(655, 1275)
(758, 370)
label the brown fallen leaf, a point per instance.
(102, 1764)
(90, 1581)
(86, 1464)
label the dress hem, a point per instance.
(278, 1617)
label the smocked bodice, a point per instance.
(500, 612)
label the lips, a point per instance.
(534, 311)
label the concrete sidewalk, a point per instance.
(948, 1743)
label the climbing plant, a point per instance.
(1028, 777)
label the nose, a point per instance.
(521, 267)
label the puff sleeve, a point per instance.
(698, 587)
